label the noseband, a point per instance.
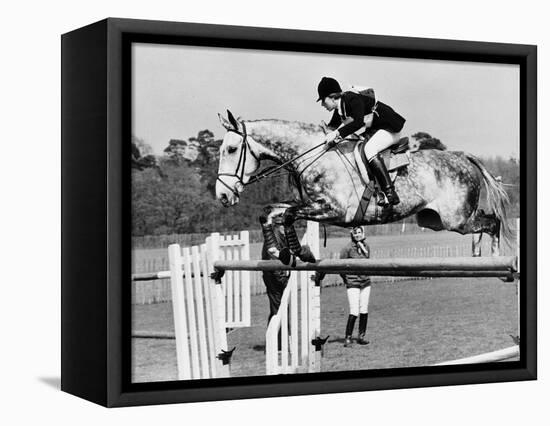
(239, 170)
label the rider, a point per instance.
(358, 113)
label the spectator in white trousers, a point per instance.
(358, 287)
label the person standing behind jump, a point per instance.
(358, 286)
(275, 281)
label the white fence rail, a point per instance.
(203, 309)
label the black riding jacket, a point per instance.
(357, 106)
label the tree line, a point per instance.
(174, 193)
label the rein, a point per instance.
(239, 170)
(261, 176)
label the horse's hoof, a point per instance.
(288, 218)
(263, 219)
(285, 256)
(306, 255)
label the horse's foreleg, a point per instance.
(269, 237)
(314, 211)
(266, 222)
(294, 246)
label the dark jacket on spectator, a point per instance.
(355, 250)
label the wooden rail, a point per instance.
(502, 266)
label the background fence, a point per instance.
(386, 241)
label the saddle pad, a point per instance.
(393, 161)
(396, 161)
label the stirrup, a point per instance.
(393, 198)
(382, 200)
(286, 257)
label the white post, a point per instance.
(218, 306)
(519, 266)
(283, 312)
(190, 299)
(314, 301)
(208, 297)
(201, 312)
(304, 319)
(237, 284)
(294, 354)
(245, 280)
(229, 292)
(271, 350)
(178, 307)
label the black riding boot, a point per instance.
(363, 320)
(383, 177)
(349, 329)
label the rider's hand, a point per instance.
(330, 138)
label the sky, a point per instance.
(179, 90)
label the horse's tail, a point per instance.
(496, 197)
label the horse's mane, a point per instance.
(275, 131)
(284, 130)
(287, 138)
(296, 125)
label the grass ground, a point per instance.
(411, 323)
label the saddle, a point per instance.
(395, 157)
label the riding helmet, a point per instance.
(326, 87)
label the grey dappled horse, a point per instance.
(442, 188)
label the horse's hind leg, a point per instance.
(476, 244)
(294, 247)
(484, 223)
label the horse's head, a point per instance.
(239, 159)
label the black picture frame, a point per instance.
(96, 210)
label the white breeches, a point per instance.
(358, 300)
(381, 140)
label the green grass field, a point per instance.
(411, 323)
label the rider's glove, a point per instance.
(330, 138)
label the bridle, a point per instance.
(239, 170)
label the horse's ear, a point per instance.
(232, 120)
(225, 123)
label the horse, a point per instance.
(442, 188)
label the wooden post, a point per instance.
(192, 323)
(314, 309)
(178, 307)
(229, 293)
(218, 306)
(304, 320)
(201, 312)
(208, 298)
(293, 313)
(518, 240)
(245, 281)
